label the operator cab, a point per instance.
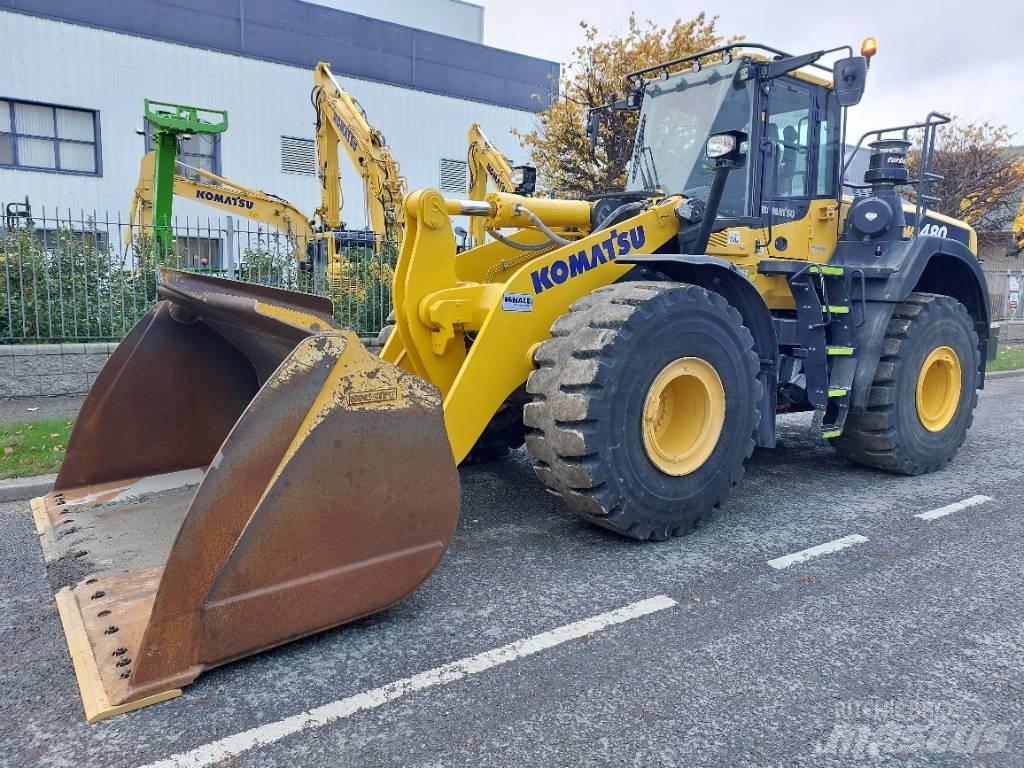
(787, 164)
(790, 120)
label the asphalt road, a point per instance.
(906, 648)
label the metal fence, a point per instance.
(1004, 290)
(71, 278)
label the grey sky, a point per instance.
(962, 57)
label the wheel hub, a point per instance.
(938, 389)
(683, 416)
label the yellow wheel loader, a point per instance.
(244, 473)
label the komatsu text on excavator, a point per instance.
(244, 472)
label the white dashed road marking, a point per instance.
(215, 751)
(822, 549)
(949, 509)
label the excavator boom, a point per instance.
(226, 195)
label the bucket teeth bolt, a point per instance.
(119, 652)
(112, 629)
(123, 663)
(125, 675)
(97, 594)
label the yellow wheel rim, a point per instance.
(938, 389)
(683, 416)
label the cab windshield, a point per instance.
(677, 117)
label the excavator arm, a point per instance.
(341, 124)
(226, 195)
(485, 161)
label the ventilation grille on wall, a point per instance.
(298, 156)
(453, 177)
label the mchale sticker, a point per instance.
(517, 302)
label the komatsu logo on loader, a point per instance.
(216, 197)
(612, 247)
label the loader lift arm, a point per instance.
(226, 195)
(341, 124)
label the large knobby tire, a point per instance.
(930, 344)
(596, 399)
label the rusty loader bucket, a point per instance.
(242, 473)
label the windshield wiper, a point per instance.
(643, 160)
(651, 180)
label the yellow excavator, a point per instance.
(225, 195)
(1018, 229)
(341, 125)
(486, 163)
(276, 479)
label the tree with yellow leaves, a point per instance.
(560, 147)
(983, 178)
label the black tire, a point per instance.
(588, 394)
(504, 433)
(889, 435)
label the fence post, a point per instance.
(229, 246)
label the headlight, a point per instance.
(524, 179)
(720, 145)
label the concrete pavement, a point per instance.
(905, 647)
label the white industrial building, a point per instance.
(75, 75)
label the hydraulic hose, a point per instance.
(521, 246)
(608, 220)
(552, 235)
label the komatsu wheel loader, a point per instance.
(244, 473)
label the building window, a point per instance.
(198, 252)
(201, 150)
(45, 137)
(453, 177)
(298, 156)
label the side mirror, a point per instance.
(593, 128)
(850, 77)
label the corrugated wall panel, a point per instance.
(300, 33)
(265, 101)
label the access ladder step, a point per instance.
(839, 350)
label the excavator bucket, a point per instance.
(242, 473)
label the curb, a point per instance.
(1004, 374)
(24, 488)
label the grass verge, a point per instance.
(1009, 358)
(33, 448)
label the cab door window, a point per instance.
(788, 133)
(828, 146)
